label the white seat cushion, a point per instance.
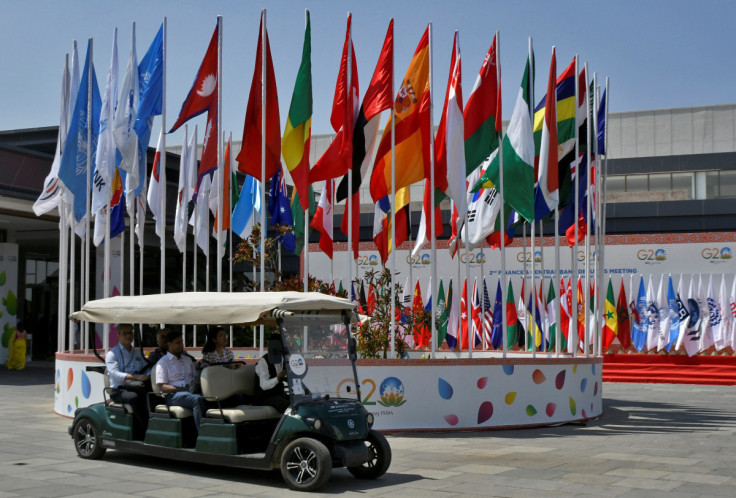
(121, 406)
(176, 411)
(245, 413)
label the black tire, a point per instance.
(87, 440)
(306, 464)
(380, 460)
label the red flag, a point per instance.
(371, 302)
(249, 159)
(322, 220)
(564, 310)
(417, 306)
(338, 158)
(203, 94)
(453, 234)
(464, 316)
(624, 323)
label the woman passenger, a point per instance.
(214, 351)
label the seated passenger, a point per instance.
(214, 351)
(175, 373)
(162, 348)
(128, 372)
(269, 389)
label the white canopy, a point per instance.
(203, 308)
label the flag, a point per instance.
(295, 144)
(622, 314)
(683, 315)
(381, 224)
(483, 209)
(453, 243)
(464, 316)
(117, 206)
(497, 318)
(565, 305)
(716, 318)
(223, 195)
(449, 146)
(547, 195)
(535, 336)
(297, 214)
(50, 194)
(541, 317)
(427, 331)
(154, 191)
(640, 325)
(363, 303)
(453, 319)
(732, 312)
(337, 159)
(106, 152)
(371, 300)
(726, 317)
(187, 178)
(322, 220)
(581, 315)
(551, 315)
(652, 316)
(601, 132)
(690, 334)
(425, 231)
(514, 329)
(353, 295)
(482, 115)
(443, 310)
(487, 318)
(610, 322)
(518, 155)
(377, 99)
(417, 306)
(151, 84)
(279, 209)
(200, 219)
(126, 140)
(73, 167)
(412, 107)
(249, 159)
(476, 322)
(522, 315)
(244, 212)
(674, 316)
(706, 333)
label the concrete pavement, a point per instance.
(653, 440)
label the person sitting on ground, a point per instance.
(162, 348)
(128, 372)
(174, 374)
(271, 375)
(214, 351)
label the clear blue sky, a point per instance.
(658, 54)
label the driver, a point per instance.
(128, 372)
(269, 390)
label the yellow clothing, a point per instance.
(17, 352)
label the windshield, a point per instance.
(316, 352)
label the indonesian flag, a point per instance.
(547, 174)
(322, 220)
(249, 158)
(425, 228)
(154, 191)
(450, 142)
(337, 159)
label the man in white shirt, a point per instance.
(271, 376)
(174, 375)
(128, 372)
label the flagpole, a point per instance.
(483, 300)
(162, 166)
(574, 339)
(523, 284)
(594, 192)
(106, 271)
(305, 251)
(349, 103)
(72, 284)
(230, 232)
(130, 205)
(264, 89)
(87, 191)
(532, 318)
(596, 214)
(394, 250)
(502, 237)
(185, 203)
(220, 165)
(433, 278)
(586, 290)
(63, 273)
(604, 179)
(195, 231)
(543, 309)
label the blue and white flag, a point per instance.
(674, 310)
(640, 327)
(73, 167)
(683, 316)
(716, 317)
(248, 203)
(497, 332)
(665, 318)
(279, 209)
(150, 85)
(652, 315)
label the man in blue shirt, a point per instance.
(128, 371)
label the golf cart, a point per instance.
(325, 425)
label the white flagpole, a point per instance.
(433, 278)
(556, 283)
(106, 249)
(393, 248)
(586, 290)
(263, 159)
(545, 333)
(603, 189)
(230, 232)
(220, 164)
(305, 251)
(484, 345)
(63, 232)
(72, 286)
(524, 286)
(504, 320)
(596, 214)
(130, 205)
(162, 167)
(185, 203)
(87, 191)
(574, 339)
(349, 103)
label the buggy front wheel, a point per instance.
(87, 440)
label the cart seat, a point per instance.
(109, 403)
(175, 411)
(219, 383)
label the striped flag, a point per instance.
(487, 318)
(547, 195)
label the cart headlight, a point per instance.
(369, 419)
(317, 424)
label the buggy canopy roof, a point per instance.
(221, 308)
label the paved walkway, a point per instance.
(653, 440)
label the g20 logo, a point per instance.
(656, 255)
(422, 259)
(473, 258)
(713, 253)
(371, 260)
(526, 257)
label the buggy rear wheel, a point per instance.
(380, 458)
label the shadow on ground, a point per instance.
(35, 374)
(340, 482)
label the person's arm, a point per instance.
(116, 375)
(264, 378)
(162, 378)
